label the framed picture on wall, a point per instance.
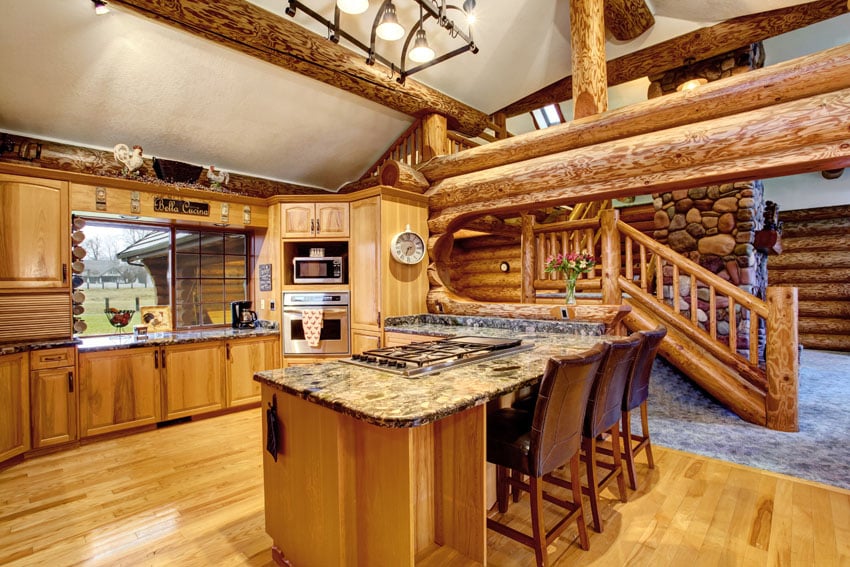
(156, 317)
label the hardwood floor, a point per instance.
(192, 494)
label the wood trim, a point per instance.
(698, 45)
(242, 26)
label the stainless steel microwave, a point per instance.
(310, 270)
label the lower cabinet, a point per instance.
(245, 357)
(14, 405)
(119, 390)
(53, 406)
(364, 340)
(192, 379)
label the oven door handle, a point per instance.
(325, 311)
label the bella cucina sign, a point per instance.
(177, 206)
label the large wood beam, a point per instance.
(627, 19)
(791, 80)
(587, 40)
(240, 25)
(697, 45)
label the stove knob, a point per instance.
(402, 365)
(382, 362)
(355, 357)
(371, 359)
(392, 363)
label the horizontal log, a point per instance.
(491, 293)
(824, 326)
(800, 78)
(485, 242)
(585, 285)
(721, 382)
(402, 176)
(797, 276)
(811, 260)
(242, 26)
(825, 342)
(815, 120)
(493, 225)
(463, 281)
(697, 45)
(821, 213)
(637, 213)
(741, 168)
(627, 19)
(484, 265)
(511, 253)
(817, 243)
(823, 292)
(822, 227)
(824, 309)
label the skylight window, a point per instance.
(547, 116)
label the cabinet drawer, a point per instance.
(52, 358)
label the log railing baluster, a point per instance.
(675, 297)
(733, 326)
(694, 302)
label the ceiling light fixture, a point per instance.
(100, 7)
(386, 26)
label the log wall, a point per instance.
(815, 259)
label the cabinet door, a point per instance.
(364, 340)
(119, 390)
(364, 263)
(54, 406)
(34, 233)
(298, 220)
(244, 358)
(14, 405)
(331, 219)
(193, 378)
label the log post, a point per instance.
(435, 141)
(782, 364)
(529, 262)
(400, 175)
(611, 261)
(590, 74)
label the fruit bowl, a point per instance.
(119, 318)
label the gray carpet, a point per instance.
(682, 416)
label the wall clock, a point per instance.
(407, 247)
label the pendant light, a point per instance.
(353, 6)
(100, 7)
(389, 28)
(421, 52)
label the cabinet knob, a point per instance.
(70, 381)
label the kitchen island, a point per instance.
(372, 468)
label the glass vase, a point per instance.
(570, 295)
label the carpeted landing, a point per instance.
(682, 416)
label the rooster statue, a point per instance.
(217, 177)
(132, 161)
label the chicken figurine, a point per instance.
(132, 160)
(217, 177)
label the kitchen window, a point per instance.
(191, 274)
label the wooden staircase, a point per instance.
(815, 259)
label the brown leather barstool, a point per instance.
(537, 443)
(603, 416)
(635, 395)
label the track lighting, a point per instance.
(100, 7)
(389, 28)
(353, 6)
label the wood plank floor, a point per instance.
(192, 494)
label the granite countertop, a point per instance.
(127, 340)
(391, 400)
(14, 348)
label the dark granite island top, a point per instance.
(119, 341)
(390, 400)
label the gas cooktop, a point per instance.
(428, 357)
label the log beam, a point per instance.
(241, 25)
(627, 19)
(697, 45)
(791, 80)
(587, 39)
(401, 176)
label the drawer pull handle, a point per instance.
(70, 381)
(53, 358)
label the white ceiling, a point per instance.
(97, 81)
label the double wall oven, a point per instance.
(301, 332)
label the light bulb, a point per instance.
(389, 28)
(353, 6)
(421, 52)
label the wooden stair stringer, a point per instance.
(719, 380)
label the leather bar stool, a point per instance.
(603, 416)
(635, 395)
(537, 443)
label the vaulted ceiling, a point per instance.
(96, 81)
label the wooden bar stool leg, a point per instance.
(644, 423)
(628, 450)
(516, 475)
(537, 528)
(502, 488)
(589, 447)
(575, 481)
(618, 462)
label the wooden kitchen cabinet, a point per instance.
(192, 378)
(245, 357)
(314, 220)
(119, 390)
(399, 339)
(34, 233)
(364, 340)
(14, 405)
(53, 397)
(380, 286)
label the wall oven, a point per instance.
(310, 270)
(315, 322)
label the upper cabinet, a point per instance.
(34, 233)
(314, 220)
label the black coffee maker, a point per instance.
(241, 316)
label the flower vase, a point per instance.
(570, 295)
